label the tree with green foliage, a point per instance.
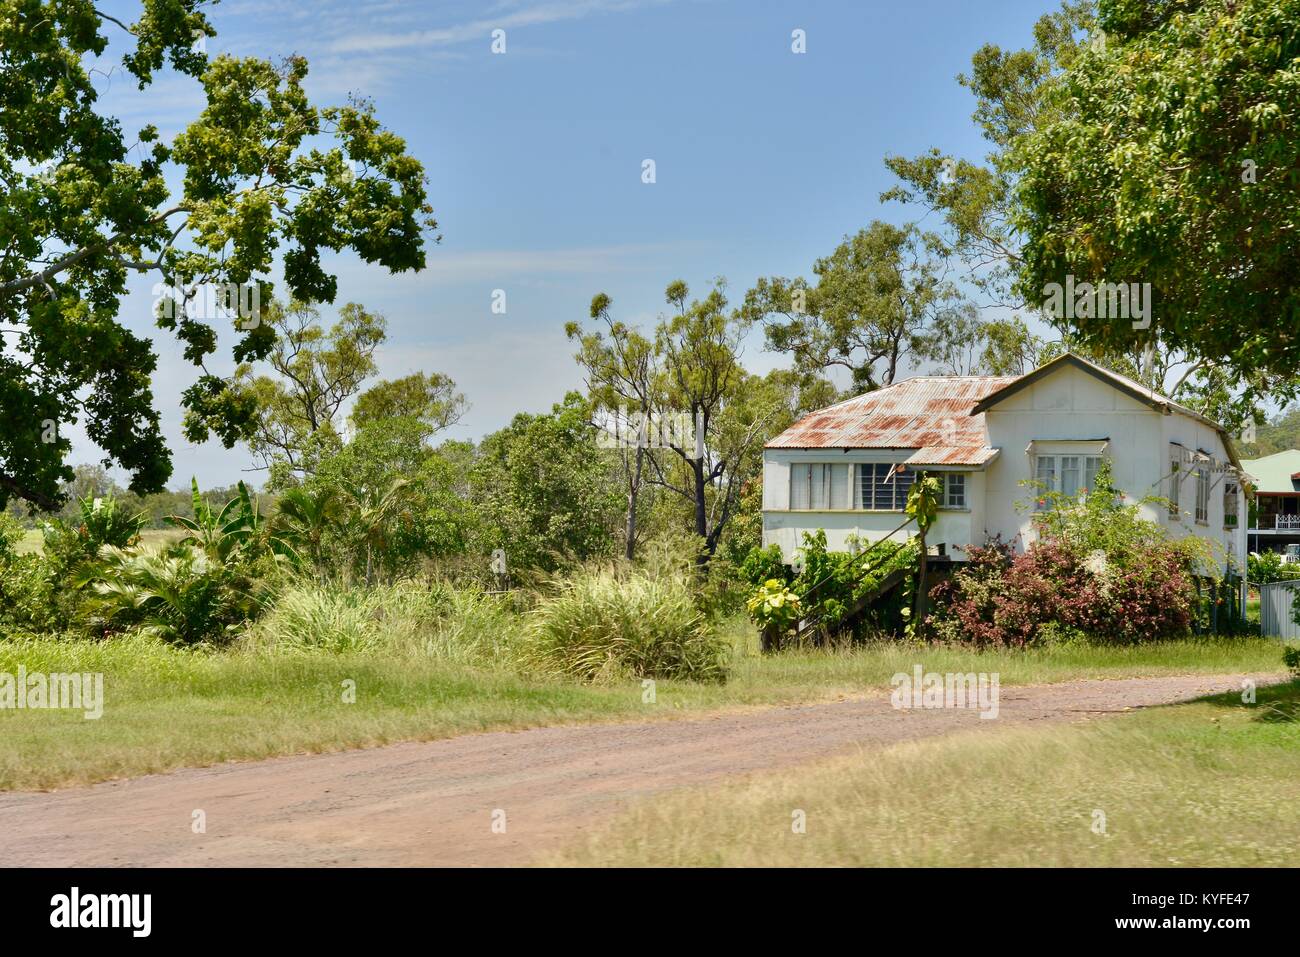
(654, 391)
(782, 397)
(702, 377)
(313, 373)
(622, 369)
(305, 516)
(1169, 158)
(1264, 568)
(542, 492)
(382, 503)
(88, 202)
(989, 347)
(1089, 174)
(881, 304)
(428, 399)
(1278, 434)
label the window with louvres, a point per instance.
(882, 487)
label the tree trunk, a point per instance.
(633, 491)
(701, 511)
(771, 638)
(920, 586)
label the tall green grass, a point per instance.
(455, 672)
(467, 626)
(599, 625)
(610, 624)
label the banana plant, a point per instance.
(219, 534)
(179, 595)
(235, 530)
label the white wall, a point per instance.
(1066, 407)
(1193, 436)
(784, 527)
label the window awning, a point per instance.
(951, 458)
(1067, 446)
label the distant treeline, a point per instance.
(94, 481)
(1279, 434)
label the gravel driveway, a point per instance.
(435, 803)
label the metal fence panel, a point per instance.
(1276, 601)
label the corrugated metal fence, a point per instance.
(1276, 601)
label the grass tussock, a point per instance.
(612, 624)
(467, 626)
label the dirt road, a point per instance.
(434, 803)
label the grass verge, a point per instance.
(32, 540)
(167, 707)
(1210, 783)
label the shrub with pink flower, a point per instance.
(1098, 569)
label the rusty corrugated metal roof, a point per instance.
(930, 413)
(951, 455)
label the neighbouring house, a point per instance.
(847, 469)
(1275, 518)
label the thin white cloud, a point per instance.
(481, 28)
(498, 263)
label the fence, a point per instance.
(1276, 601)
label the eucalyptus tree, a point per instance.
(732, 411)
(881, 303)
(622, 370)
(310, 373)
(427, 399)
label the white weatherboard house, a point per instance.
(847, 469)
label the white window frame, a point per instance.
(1046, 483)
(946, 499)
(1085, 464)
(823, 489)
(822, 485)
(1202, 495)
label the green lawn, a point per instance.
(32, 539)
(1211, 783)
(31, 542)
(167, 708)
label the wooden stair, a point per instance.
(863, 602)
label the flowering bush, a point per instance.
(1001, 599)
(1098, 569)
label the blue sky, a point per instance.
(764, 159)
